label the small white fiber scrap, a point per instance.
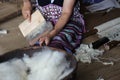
(108, 63)
(100, 78)
(3, 31)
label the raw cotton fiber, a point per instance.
(43, 65)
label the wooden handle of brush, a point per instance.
(99, 42)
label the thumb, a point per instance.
(29, 16)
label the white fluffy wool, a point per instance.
(85, 54)
(50, 65)
(44, 65)
(13, 70)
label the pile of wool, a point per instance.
(13, 70)
(48, 65)
(43, 65)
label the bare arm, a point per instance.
(26, 0)
(66, 13)
(26, 9)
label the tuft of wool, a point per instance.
(85, 54)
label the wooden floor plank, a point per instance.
(8, 11)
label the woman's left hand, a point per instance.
(44, 40)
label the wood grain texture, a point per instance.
(9, 11)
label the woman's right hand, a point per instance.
(26, 10)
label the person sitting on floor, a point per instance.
(67, 21)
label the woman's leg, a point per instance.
(69, 38)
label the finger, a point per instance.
(41, 42)
(24, 15)
(47, 41)
(29, 16)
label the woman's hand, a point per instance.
(44, 40)
(26, 10)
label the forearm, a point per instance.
(66, 13)
(26, 0)
(60, 24)
(27, 3)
